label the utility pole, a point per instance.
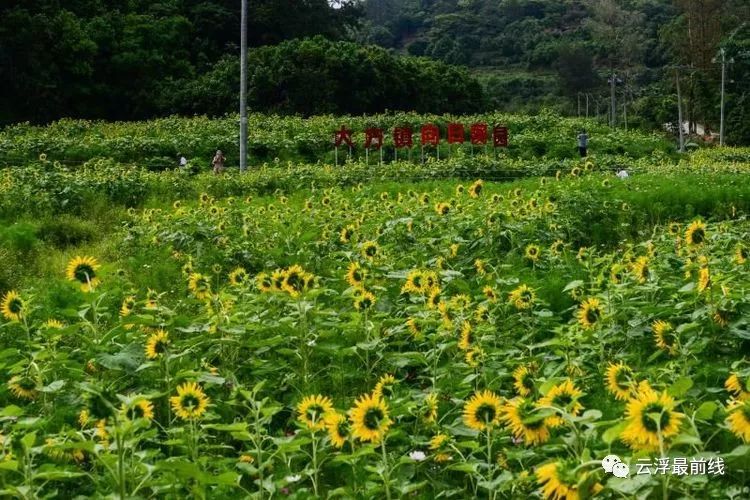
(613, 105)
(724, 62)
(679, 111)
(243, 89)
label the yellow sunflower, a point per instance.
(157, 344)
(465, 338)
(648, 415)
(558, 481)
(370, 250)
(532, 253)
(140, 408)
(590, 312)
(200, 286)
(384, 387)
(704, 279)
(83, 270)
(474, 356)
(128, 304)
(23, 387)
(619, 380)
(264, 282)
(522, 297)
(13, 306)
(364, 300)
(741, 254)
(346, 234)
(641, 269)
(482, 411)
(337, 427)
(414, 327)
(738, 419)
(430, 411)
(296, 280)
(238, 276)
(665, 336)
(414, 282)
(311, 411)
(695, 234)
(518, 415)
(563, 396)
(434, 299)
(738, 387)
(475, 190)
(523, 380)
(190, 402)
(369, 419)
(53, 324)
(490, 293)
(442, 208)
(556, 247)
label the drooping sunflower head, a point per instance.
(312, 410)
(83, 270)
(741, 254)
(238, 277)
(264, 282)
(738, 419)
(651, 417)
(434, 299)
(490, 293)
(200, 286)
(523, 380)
(532, 253)
(338, 428)
(355, 275)
(695, 234)
(141, 408)
(564, 396)
(13, 306)
(190, 402)
(474, 356)
(704, 279)
(23, 387)
(346, 234)
(558, 480)
(385, 386)
(738, 386)
(128, 305)
(619, 380)
(466, 336)
(590, 312)
(369, 419)
(641, 269)
(482, 410)
(370, 250)
(557, 247)
(157, 344)
(524, 421)
(475, 190)
(665, 336)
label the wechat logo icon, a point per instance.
(613, 465)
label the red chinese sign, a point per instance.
(402, 137)
(478, 133)
(343, 136)
(430, 135)
(374, 138)
(456, 134)
(500, 136)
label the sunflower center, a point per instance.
(622, 379)
(698, 236)
(562, 400)
(15, 306)
(371, 251)
(189, 401)
(373, 417)
(486, 413)
(658, 411)
(135, 412)
(84, 273)
(314, 412)
(592, 314)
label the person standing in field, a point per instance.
(583, 143)
(218, 162)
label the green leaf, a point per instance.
(706, 410)
(53, 387)
(680, 387)
(610, 435)
(28, 440)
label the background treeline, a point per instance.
(139, 59)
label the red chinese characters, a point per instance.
(402, 137)
(478, 133)
(456, 133)
(500, 136)
(374, 138)
(430, 135)
(343, 136)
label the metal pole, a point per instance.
(579, 105)
(723, 77)
(243, 88)
(587, 105)
(679, 111)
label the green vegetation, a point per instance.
(369, 331)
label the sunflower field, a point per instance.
(399, 331)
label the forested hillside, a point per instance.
(541, 52)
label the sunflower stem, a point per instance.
(386, 471)
(315, 462)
